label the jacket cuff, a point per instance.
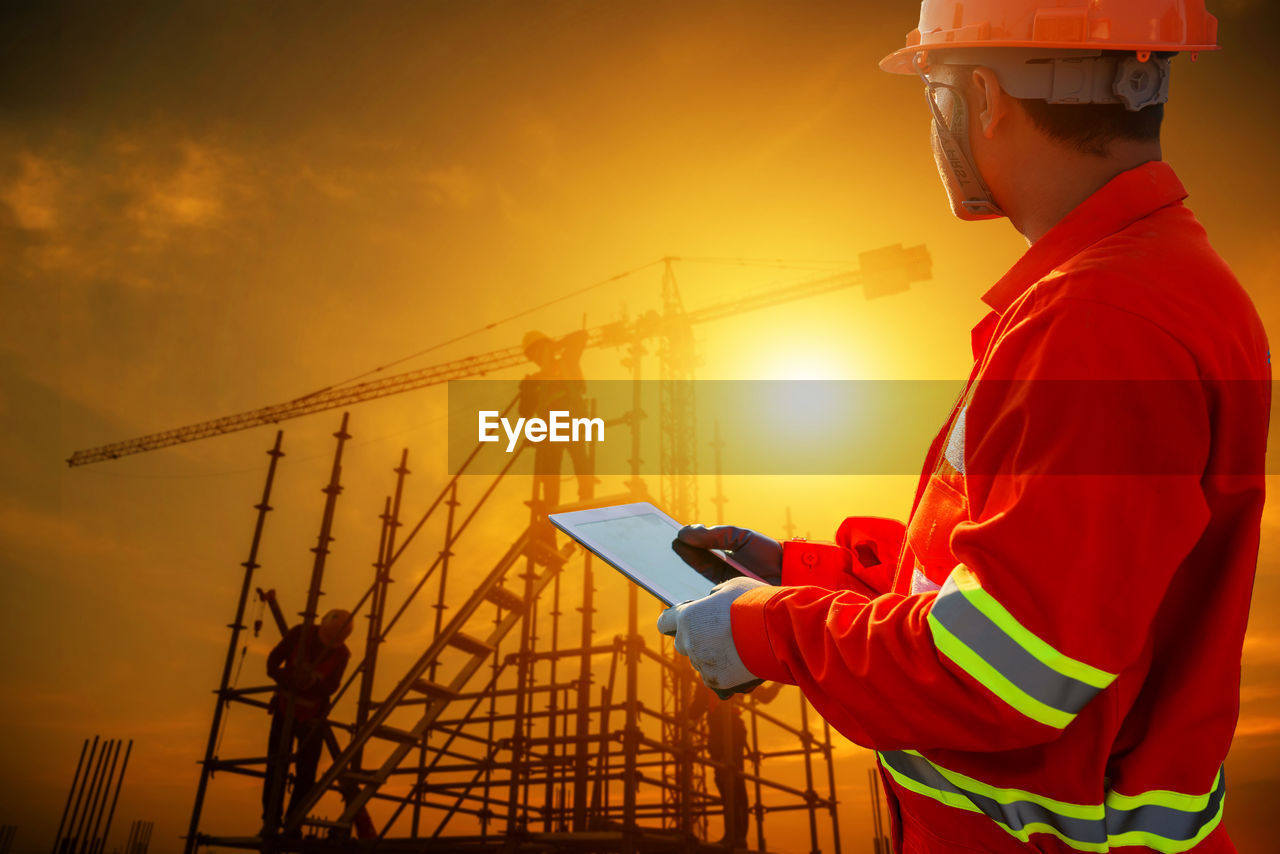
(815, 564)
(751, 634)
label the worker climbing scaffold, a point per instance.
(307, 667)
(557, 385)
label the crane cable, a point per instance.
(777, 263)
(743, 262)
(485, 328)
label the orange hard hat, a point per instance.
(533, 340)
(335, 626)
(1142, 26)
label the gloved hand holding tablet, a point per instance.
(637, 540)
(703, 549)
(697, 581)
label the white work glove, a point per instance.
(704, 632)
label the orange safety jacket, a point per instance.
(1053, 661)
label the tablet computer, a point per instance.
(635, 539)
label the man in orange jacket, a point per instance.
(1046, 655)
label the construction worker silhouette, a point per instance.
(307, 667)
(556, 385)
(1045, 655)
(727, 745)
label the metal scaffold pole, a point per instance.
(524, 762)
(582, 726)
(810, 794)
(631, 731)
(445, 553)
(834, 804)
(374, 628)
(7, 834)
(78, 788)
(677, 439)
(552, 710)
(283, 749)
(755, 766)
(263, 507)
(124, 766)
(70, 845)
(683, 678)
(516, 819)
(75, 780)
(99, 804)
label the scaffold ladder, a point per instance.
(342, 773)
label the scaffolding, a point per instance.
(517, 727)
(502, 718)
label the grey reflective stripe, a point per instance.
(954, 452)
(1164, 823)
(1168, 822)
(991, 643)
(1014, 816)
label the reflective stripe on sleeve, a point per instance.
(983, 638)
(1168, 822)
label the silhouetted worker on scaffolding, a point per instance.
(556, 385)
(307, 666)
(727, 745)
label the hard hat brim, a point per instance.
(902, 61)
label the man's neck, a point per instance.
(1058, 184)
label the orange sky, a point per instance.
(205, 209)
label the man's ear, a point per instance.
(990, 101)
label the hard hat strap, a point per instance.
(1073, 77)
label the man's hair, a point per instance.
(1088, 128)
(1091, 128)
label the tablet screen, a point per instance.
(643, 541)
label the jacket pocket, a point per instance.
(942, 507)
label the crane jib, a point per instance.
(880, 272)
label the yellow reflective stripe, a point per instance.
(1163, 798)
(958, 801)
(995, 681)
(1092, 812)
(951, 799)
(1021, 813)
(1024, 835)
(1046, 654)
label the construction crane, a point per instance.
(880, 272)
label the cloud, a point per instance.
(1260, 648)
(534, 145)
(1254, 725)
(111, 214)
(32, 195)
(167, 198)
(454, 186)
(31, 531)
(1253, 693)
(327, 183)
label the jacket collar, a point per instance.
(1123, 200)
